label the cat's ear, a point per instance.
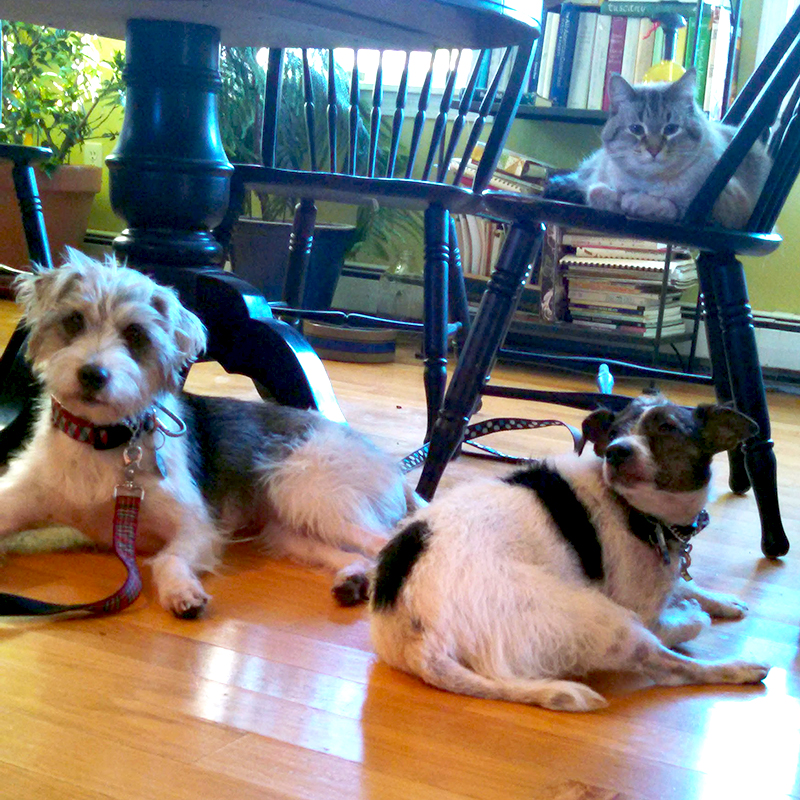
(619, 90)
(685, 85)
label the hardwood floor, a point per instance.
(275, 693)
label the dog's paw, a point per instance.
(741, 672)
(681, 622)
(572, 696)
(351, 590)
(185, 602)
(725, 606)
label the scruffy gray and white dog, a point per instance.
(509, 588)
(110, 346)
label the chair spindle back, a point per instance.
(378, 143)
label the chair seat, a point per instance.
(511, 206)
(22, 154)
(357, 190)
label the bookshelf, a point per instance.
(582, 44)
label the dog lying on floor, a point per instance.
(506, 588)
(109, 346)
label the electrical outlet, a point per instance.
(93, 154)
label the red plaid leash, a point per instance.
(127, 499)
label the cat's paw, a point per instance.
(603, 197)
(648, 206)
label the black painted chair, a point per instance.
(18, 388)
(770, 99)
(382, 164)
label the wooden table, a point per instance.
(170, 178)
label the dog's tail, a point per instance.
(444, 672)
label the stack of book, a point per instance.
(480, 240)
(615, 284)
(584, 43)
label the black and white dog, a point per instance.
(508, 588)
(110, 345)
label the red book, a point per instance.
(616, 47)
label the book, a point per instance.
(646, 332)
(577, 238)
(533, 78)
(619, 299)
(650, 317)
(682, 272)
(581, 65)
(644, 8)
(599, 62)
(616, 47)
(565, 53)
(632, 32)
(548, 54)
(719, 50)
(644, 50)
(701, 59)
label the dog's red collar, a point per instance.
(101, 437)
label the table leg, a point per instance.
(170, 180)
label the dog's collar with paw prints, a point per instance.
(101, 437)
(656, 533)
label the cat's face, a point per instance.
(653, 129)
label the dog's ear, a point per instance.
(722, 428)
(186, 329)
(596, 428)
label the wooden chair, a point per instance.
(385, 165)
(18, 388)
(769, 100)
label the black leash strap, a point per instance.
(495, 425)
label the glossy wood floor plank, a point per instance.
(277, 694)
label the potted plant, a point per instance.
(57, 92)
(263, 233)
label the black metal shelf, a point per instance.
(556, 114)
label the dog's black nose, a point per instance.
(92, 378)
(617, 454)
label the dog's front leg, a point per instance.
(190, 550)
(717, 605)
(681, 621)
(22, 504)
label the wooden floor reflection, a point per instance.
(276, 693)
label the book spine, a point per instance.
(565, 53)
(599, 60)
(629, 50)
(644, 52)
(718, 64)
(533, 78)
(581, 65)
(680, 46)
(548, 55)
(644, 8)
(712, 58)
(658, 46)
(617, 299)
(616, 49)
(621, 315)
(703, 47)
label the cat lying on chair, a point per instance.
(658, 149)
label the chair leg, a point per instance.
(738, 480)
(437, 265)
(486, 334)
(300, 244)
(457, 291)
(18, 394)
(725, 276)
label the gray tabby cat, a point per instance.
(658, 149)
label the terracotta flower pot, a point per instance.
(67, 198)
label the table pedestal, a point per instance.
(170, 181)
